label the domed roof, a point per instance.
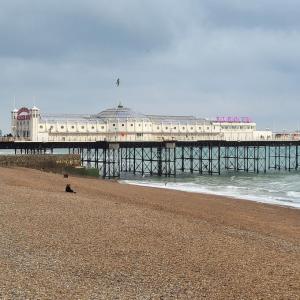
(120, 112)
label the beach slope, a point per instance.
(116, 241)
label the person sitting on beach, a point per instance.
(68, 189)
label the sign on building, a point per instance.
(23, 114)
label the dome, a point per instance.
(121, 112)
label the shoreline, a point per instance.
(111, 240)
(155, 185)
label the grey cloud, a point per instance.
(266, 14)
(59, 32)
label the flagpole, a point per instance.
(118, 89)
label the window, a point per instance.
(93, 127)
(41, 126)
(82, 127)
(157, 127)
(192, 128)
(62, 127)
(102, 127)
(139, 125)
(131, 125)
(73, 127)
(175, 127)
(167, 128)
(183, 128)
(114, 125)
(123, 125)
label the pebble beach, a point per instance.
(118, 241)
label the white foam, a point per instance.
(293, 194)
(229, 191)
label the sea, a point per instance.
(279, 188)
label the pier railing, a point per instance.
(275, 137)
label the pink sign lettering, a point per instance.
(234, 119)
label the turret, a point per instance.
(34, 123)
(14, 115)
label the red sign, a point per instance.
(23, 114)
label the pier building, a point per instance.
(122, 124)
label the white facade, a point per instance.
(123, 124)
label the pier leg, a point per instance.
(191, 160)
(159, 161)
(200, 160)
(134, 160)
(219, 160)
(182, 159)
(297, 157)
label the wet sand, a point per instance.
(115, 241)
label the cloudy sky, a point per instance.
(202, 57)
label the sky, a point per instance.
(206, 58)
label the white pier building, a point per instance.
(124, 124)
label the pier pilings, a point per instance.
(173, 158)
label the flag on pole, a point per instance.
(118, 82)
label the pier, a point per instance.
(172, 158)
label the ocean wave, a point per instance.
(293, 194)
(229, 191)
